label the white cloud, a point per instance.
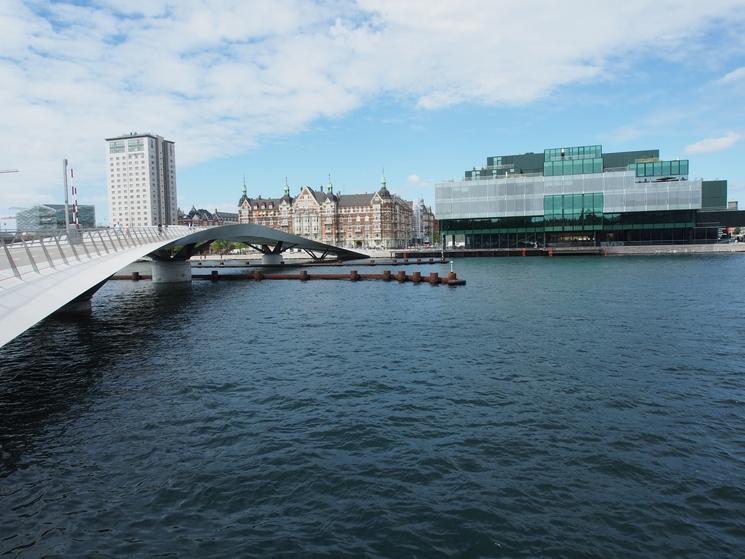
(709, 145)
(413, 179)
(733, 76)
(218, 76)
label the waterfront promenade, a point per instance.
(614, 250)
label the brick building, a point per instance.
(370, 220)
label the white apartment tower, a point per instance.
(141, 170)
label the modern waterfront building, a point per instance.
(52, 216)
(370, 220)
(141, 183)
(580, 195)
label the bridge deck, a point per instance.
(40, 275)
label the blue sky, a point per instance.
(303, 89)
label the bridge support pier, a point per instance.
(77, 306)
(272, 259)
(172, 271)
(80, 305)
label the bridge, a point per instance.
(43, 272)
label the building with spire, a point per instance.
(270, 212)
(368, 220)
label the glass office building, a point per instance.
(582, 196)
(52, 216)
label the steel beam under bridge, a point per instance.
(266, 240)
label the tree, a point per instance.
(220, 247)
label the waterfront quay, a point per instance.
(639, 250)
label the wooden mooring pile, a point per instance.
(433, 278)
(400, 276)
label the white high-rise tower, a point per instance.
(141, 171)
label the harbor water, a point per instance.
(553, 407)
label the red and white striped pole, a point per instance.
(74, 189)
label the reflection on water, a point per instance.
(48, 371)
(578, 407)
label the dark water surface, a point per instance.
(584, 407)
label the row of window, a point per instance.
(573, 167)
(568, 204)
(673, 218)
(132, 144)
(569, 153)
(123, 158)
(661, 168)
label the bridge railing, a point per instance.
(28, 253)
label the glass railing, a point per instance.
(573, 167)
(25, 254)
(572, 153)
(661, 168)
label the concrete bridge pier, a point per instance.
(80, 305)
(171, 271)
(77, 306)
(272, 259)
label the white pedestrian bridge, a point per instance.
(42, 272)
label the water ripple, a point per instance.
(553, 408)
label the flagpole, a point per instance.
(64, 175)
(74, 190)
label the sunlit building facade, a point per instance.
(52, 216)
(141, 180)
(370, 220)
(580, 196)
(423, 224)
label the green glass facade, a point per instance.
(581, 160)
(582, 229)
(52, 216)
(573, 167)
(662, 168)
(572, 222)
(714, 195)
(578, 152)
(582, 211)
(649, 206)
